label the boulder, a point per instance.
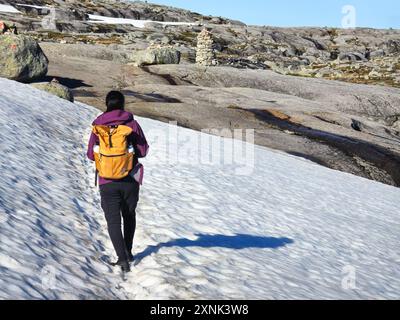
(393, 46)
(152, 56)
(319, 45)
(377, 53)
(246, 64)
(357, 125)
(55, 88)
(352, 56)
(21, 58)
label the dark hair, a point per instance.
(115, 101)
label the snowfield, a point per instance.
(289, 230)
(8, 9)
(32, 6)
(136, 23)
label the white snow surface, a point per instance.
(32, 6)
(290, 230)
(8, 9)
(136, 23)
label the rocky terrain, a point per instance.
(279, 81)
(362, 55)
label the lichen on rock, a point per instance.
(156, 55)
(21, 58)
(54, 87)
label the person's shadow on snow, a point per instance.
(236, 242)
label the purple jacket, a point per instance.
(119, 117)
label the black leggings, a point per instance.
(118, 198)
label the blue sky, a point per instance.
(369, 13)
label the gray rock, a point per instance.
(364, 100)
(290, 52)
(246, 64)
(153, 56)
(55, 88)
(307, 60)
(21, 58)
(319, 45)
(159, 37)
(377, 53)
(352, 56)
(393, 46)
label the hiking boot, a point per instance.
(126, 268)
(123, 264)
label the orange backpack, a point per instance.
(114, 160)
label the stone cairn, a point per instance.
(205, 53)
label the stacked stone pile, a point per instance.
(205, 53)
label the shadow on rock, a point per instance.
(68, 82)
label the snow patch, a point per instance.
(31, 6)
(133, 22)
(8, 9)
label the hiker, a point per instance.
(13, 29)
(3, 27)
(368, 53)
(116, 143)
